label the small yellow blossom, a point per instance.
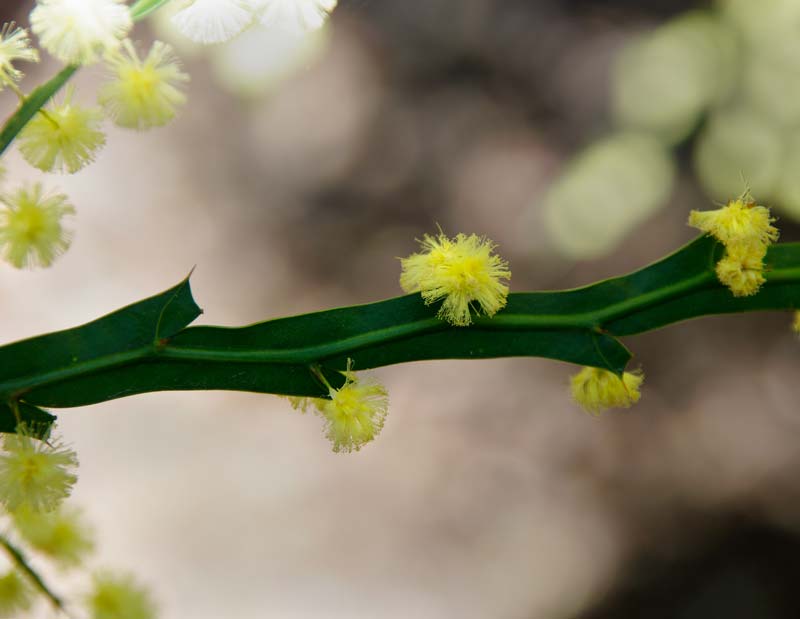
(80, 31)
(213, 21)
(14, 45)
(741, 268)
(119, 597)
(64, 138)
(463, 272)
(740, 221)
(34, 473)
(31, 233)
(596, 389)
(355, 413)
(143, 93)
(60, 534)
(16, 594)
(295, 16)
(796, 323)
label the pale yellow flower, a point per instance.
(462, 272)
(61, 534)
(143, 93)
(119, 597)
(31, 232)
(741, 269)
(16, 594)
(355, 414)
(14, 45)
(80, 31)
(63, 138)
(740, 221)
(35, 474)
(597, 389)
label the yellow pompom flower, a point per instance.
(16, 594)
(119, 597)
(463, 272)
(596, 389)
(740, 221)
(80, 31)
(64, 138)
(796, 323)
(35, 474)
(14, 45)
(741, 268)
(31, 233)
(143, 93)
(355, 413)
(60, 534)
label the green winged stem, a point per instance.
(149, 345)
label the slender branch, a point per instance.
(18, 558)
(679, 287)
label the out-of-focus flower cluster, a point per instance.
(36, 476)
(66, 136)
(142, 90)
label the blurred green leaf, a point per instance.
(664, 80)
(738, 148)
(605, 192)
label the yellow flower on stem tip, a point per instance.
(740, 221)
(31, 233)
(796, 323)
(462, 272)
(597, 389)
(80, 31)
(119, 597)
(63, 138)
(61, 534)
(143, 93)
(14, 45)
(35, 474)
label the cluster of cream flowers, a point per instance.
(36, 476)
(139, 93)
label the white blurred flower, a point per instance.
(14, 45)
(213, 21)
(295, 15)
(80, 31)
(261, 58)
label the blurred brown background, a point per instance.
(489, 494)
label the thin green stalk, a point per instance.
(18, 558)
